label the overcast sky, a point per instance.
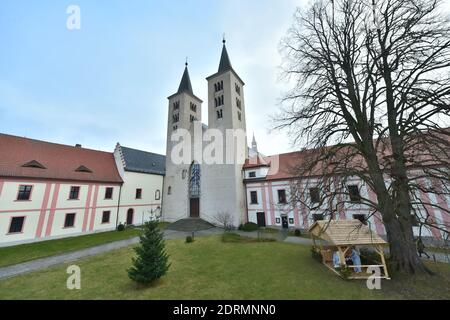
(109, 81)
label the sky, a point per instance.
(108, 82)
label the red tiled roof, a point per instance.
(281, 166)
(60, 161)
(290, 165)
(256, 162)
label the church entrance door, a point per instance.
(195, 207)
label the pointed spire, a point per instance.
(185, 84)
(225, 63)
(254, 144)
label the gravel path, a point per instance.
(39, 264)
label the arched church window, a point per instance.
(194, 181)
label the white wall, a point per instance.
(149, 183)
(46, 210)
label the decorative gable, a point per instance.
(34, 164)
(83, 169)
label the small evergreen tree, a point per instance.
(151, 261)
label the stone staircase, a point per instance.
(189, 225)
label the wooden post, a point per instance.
(383, 261)
(341, 256)
(313, 240)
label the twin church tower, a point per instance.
(197, 188)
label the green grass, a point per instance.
(212, 269)
(31, 251)
(305, 235)
(270, 230)
(236, 238)
(437, 249)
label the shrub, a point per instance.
(241, 227)
(297, 233)
(250, 226)
(369, 257)
(344, 271)
(316, 255)
(121, 227)
(189, 239)
(151, 261)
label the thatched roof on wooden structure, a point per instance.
(345, 233)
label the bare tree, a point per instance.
(225, 219)
(371, 97)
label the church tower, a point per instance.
(223, 188)
(184, 111)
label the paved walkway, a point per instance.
(40, 264)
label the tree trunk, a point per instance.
(395, 211)
(403, 252)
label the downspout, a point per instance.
(118, 206)
(162, 197)
(245, 196)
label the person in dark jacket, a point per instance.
(421, 248)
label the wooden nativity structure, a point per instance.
(340, 236)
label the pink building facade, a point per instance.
(269, 186)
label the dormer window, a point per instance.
(83, 169)
(34, 164)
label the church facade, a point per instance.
(203, 185)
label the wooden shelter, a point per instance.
(340, 236)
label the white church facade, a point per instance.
(197, 188)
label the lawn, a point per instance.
(209, 268)
(36, 250)
(30, 251)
